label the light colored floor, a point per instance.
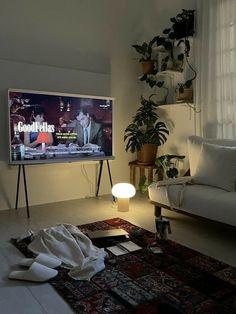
(210, 238)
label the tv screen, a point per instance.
(47, 127)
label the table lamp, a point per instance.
(43, 138)
(123, 192)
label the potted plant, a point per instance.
(166, 166)
(145, 50)
(178, 34)
(148, 64)
(177, 38)
(182, 28)
(145, 133)
(176, 43)
(183, 24)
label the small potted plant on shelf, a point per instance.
(182, 28)
(183, 24)
(173, 49)
(184, 92)
(177, 38)
(146, 132)
(178, 34)
(145, 50)
(149, 65)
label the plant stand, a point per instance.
(134, 164)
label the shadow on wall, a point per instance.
(166, 117)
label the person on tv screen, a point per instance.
(62, 122)
(31, 139)
(88, 131)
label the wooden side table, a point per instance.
(134, 164)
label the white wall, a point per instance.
(181, 122)
(78, 47)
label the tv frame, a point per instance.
(78, 158)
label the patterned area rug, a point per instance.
(179, 280)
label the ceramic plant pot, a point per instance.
(186, 96)
(148, 67)
(147, 154)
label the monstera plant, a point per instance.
(146, 132)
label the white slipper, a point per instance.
(42, 259)
(36, 272)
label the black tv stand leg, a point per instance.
(109, 172)
(25, 187)
(17, 189)
(99, 177)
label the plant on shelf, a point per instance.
(152, 81)
(166, 166)
(145, 50)
(182, 25)
(149, 69)
(175, 42)
(182, 28)
(178, 34)
(146, 132)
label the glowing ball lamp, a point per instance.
(123, 192)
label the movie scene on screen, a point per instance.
(55, 127)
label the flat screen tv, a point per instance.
(46, 127)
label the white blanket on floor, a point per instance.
(72, 247)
